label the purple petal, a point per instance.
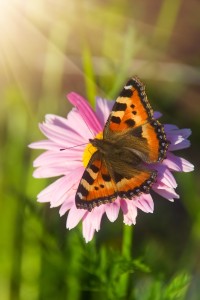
(112, 210)
(85, 111)
(164, 175)
(177, 137)
(165, 191)
(157, 115)
(145, 203)
(169, 127)
(168, 179)
(181, 145)
(176, 163)
(173, 130)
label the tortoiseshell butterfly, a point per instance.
(132, 139)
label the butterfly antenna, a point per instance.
(73, 147)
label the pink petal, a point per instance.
(74, 124)
(61, 189)
(63, 192)
(145, 203)
(53, 171)
(70, 134)
(176, 163)
(88, 230)
(47, 192)
(57, 121)
(79, 125)
(129, 211)
(60, 136)
(112, 210)
(44, 199)
(94, 217)
(58, 196)
(103, 109)
(45, 144)
(67, 204)
(74, 216)
(51, 158)
(85, 111)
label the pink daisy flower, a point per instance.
(73, 134)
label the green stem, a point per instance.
(127, 241)
(127, 254)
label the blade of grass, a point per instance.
(166, 21)
(127, 56)
(89, 74)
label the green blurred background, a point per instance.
(47, 49)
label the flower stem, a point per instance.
(127, 241)
(126, 254)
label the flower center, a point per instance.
(90, 150)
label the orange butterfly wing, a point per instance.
(132, 126)
(100, 184)
(96, 186)
(132, 112)
(141, 182)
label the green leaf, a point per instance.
(177, 288)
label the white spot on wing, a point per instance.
(80, 195)
(128, 87)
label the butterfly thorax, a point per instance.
(115, 151)
(103, 145)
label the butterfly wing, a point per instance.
(130, 176)
(103, 181)
(135, 137)
(132, 117)
(96, 186)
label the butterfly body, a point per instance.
(132, 141)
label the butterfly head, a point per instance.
(104, 146)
